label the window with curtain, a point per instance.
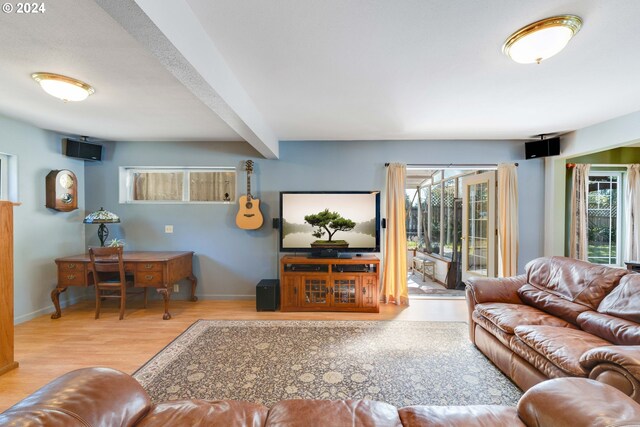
(603, 221)
(177, 185)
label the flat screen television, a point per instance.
(330, 224)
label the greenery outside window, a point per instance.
(177, 185)
(603, 220)
(448, 217)
(431, 213)
(435, 217)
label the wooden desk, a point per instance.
(150, 269)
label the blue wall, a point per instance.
(40, 234)
(229, 261)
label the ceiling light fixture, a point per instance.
(63, 87)
(542, 39)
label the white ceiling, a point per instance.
(135, 99)
(330, 69)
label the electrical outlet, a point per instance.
(168, 228)
(176, 288)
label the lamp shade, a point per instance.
(542, 39)
(63, 87)
(100, 217)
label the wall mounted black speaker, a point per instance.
(81, 150)
(543, 148)
(383, 223)
(276, 223)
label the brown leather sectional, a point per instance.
(563, 318)
(106, 397)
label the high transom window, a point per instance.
(177, 185)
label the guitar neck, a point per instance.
(249, 197)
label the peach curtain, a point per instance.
(508, 239)
(157, 186)
(632, 213)
(394, 281)
(579, 204)
(212, 186)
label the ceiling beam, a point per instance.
(171, 31)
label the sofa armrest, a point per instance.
(85, 397)
(615, 365)
(565, 402)
(503, 289)
(479, 290)
(626, 356)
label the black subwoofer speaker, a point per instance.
(268, 295)
(81, 150)
(542, 148)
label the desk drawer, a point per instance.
(149, 278)
(71, 267)
(149, 266)
(71, 278)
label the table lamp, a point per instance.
(102, 217)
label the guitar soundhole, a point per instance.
(249, 205)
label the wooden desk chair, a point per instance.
(109, 276)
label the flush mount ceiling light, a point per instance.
(63, 87)
(542, 39)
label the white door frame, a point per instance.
(490, 179)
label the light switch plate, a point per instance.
(176, 288)
(168, 228)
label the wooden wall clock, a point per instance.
(62, 190)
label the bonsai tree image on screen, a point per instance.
(326, 221)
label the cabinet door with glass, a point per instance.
(344, 290)
(315, 291)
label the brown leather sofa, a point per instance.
(563, 318)
(105, 397)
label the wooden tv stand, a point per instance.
(329, 284)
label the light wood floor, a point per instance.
(47, 348)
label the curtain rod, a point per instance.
(600, 165)
(451, 165)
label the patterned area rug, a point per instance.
(399, 362)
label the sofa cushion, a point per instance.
(561, 346)
(614, 329)
(330, 413)
(507, 316)
(571, 402)
(84, 397)
(624, 300)
(576, 281)
(535, 359)
(551, 303)
(463, 416)
(504, 337)
(205, 413)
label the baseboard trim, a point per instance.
(48, 309)
(65, 303)
(226, 297)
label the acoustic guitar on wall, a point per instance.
(249, 216)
